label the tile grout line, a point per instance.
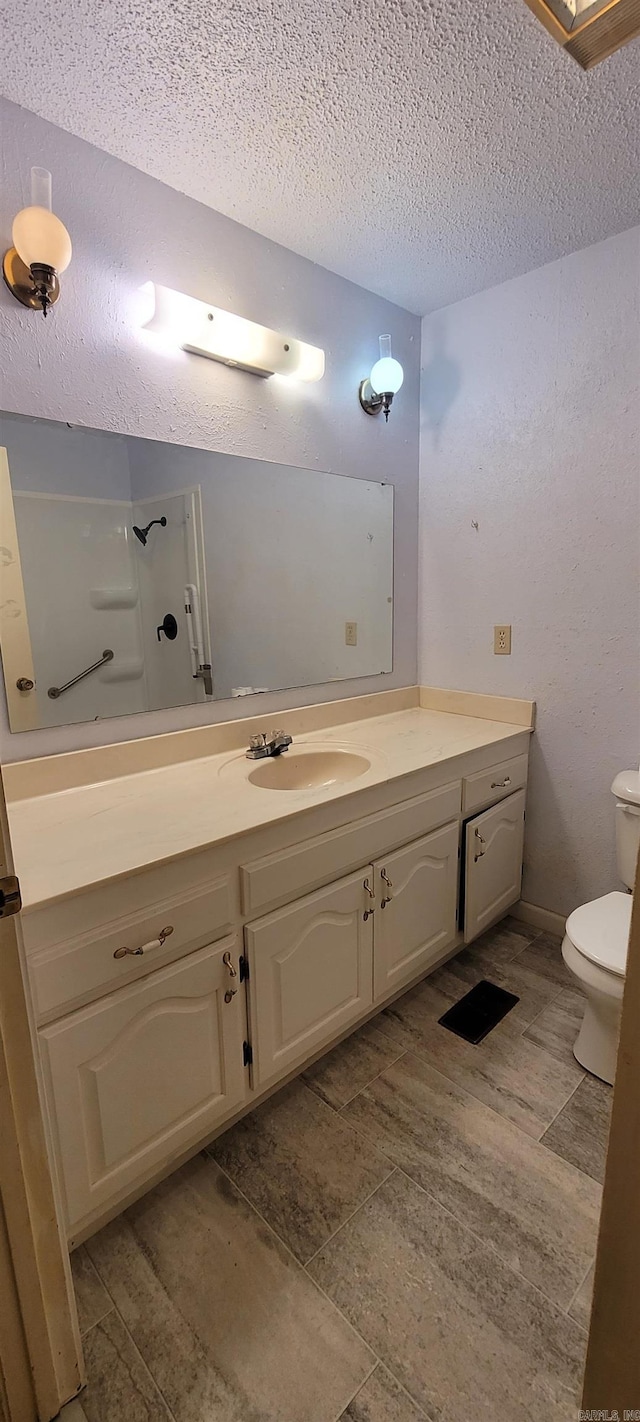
(357, 1392)
(296, 1261)
(484, 1243)
(380, 1364)
(391, 1171)
(111, 1301)
(145, 1367)
(422, 1056)
(581, 1286)
(559, 1113)
(464, 1091)
(337, 1110)
(488, 1245)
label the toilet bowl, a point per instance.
(597, 938)
(595, 951)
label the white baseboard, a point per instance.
(539, 917)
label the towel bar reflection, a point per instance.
(55, 691)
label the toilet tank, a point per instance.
(626, 788)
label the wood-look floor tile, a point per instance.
(580, 1132)
(537, 1212)
(230, 1326)
(350, 1066)
(118, 1383)
(92, 1298)
(544, 956)
(301, 1167)
(581, 1306)
(382, 1399)
(505, 1071)
(466, 1337)
(557, 1026)
(501, 944)
(515, 925)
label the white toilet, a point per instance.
(596, 941)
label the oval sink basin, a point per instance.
(311, 770)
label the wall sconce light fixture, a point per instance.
(377, 392)
(41, 249)
(209, 331)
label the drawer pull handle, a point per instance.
(483, 845)
(146, 947)
(386, 898)
(501, 784)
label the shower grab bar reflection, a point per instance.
(55, 691)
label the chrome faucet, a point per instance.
(272, 744)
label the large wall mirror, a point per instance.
(136, 575)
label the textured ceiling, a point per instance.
(424, 148)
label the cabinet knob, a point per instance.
(24, 683)
(483, 845)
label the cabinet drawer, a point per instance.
(289, 873)
(486, 787)
(84, 967)
(138, 1077)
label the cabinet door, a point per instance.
(493, 864)
(142, 1074)
(416, 898)
(310, 974)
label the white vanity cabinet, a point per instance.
(310, 974)
(143, 1073)
(169, 1002)
(416, 908)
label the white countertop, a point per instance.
(72, 839)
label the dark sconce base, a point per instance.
(36, 287)
(371, 403)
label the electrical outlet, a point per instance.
(351, 634)
(502, 641)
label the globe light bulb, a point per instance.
(41, 239)
(387, 374)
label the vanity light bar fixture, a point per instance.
(209, 331)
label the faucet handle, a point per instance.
(256, 742)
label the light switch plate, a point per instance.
(351, 634)
(502, 641)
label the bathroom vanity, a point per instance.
(194, 936)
